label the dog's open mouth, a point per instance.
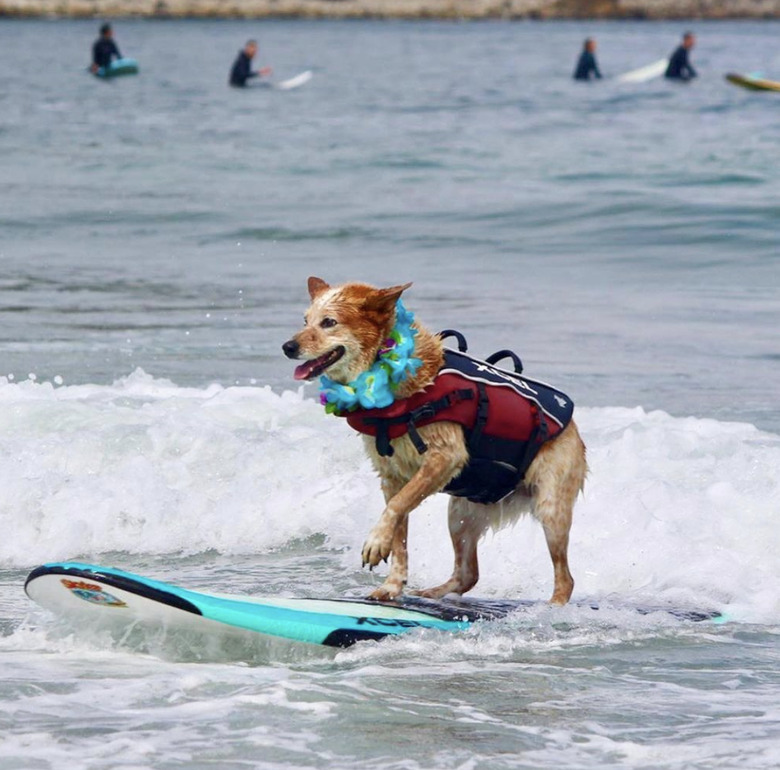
(314, 368)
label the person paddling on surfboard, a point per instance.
(104, 49)
(586, 66)
(242, 66)
(679, 66)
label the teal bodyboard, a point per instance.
(118, 67)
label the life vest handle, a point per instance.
(499, 354)
(462, 344)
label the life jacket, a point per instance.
(506, 419)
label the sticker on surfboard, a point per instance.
(92, 593)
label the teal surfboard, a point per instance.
(118, 67)
(114, 598)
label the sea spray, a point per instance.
(677, 510)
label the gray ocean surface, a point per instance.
(623, 239)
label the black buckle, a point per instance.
(422, 413)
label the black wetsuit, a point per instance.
(585, 66)
(242, 70)
(103, 51)
(679, 67)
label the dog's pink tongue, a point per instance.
(303, 372)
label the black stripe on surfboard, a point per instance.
(117, 581)
(346, 637)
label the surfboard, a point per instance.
(118, 67)
(643, 74)
(115, 599)
(294, 82)
(753, 82)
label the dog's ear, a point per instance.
(317, 286)
(384, 300)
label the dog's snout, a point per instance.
(291, 349)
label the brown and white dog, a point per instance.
(345, 327)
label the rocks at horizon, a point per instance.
(398, 9)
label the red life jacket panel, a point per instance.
(506, 418)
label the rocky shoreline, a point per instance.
(397, 9)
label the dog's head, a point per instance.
(345, 326)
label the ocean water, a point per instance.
(156, 233)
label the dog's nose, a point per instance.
(291, 349)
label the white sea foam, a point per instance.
(675, 510)
(147, 467)
(130, 709)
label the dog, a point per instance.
(346, 327)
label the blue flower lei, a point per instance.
(376, 387)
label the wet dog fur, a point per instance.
(345, 326)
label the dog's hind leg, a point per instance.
(556, 531)
(557, 476)
(466, 528)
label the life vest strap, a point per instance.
(424, 412)
(539, 435)
(483, 404)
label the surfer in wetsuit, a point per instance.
(679, 66)
(242, 66)
(104, 49)
(586, 66)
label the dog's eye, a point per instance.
(328, 323)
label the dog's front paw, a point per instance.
(377, 547)
(386, 592)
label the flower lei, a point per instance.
(376, 387)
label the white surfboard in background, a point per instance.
(643, 74)
(294, 82)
